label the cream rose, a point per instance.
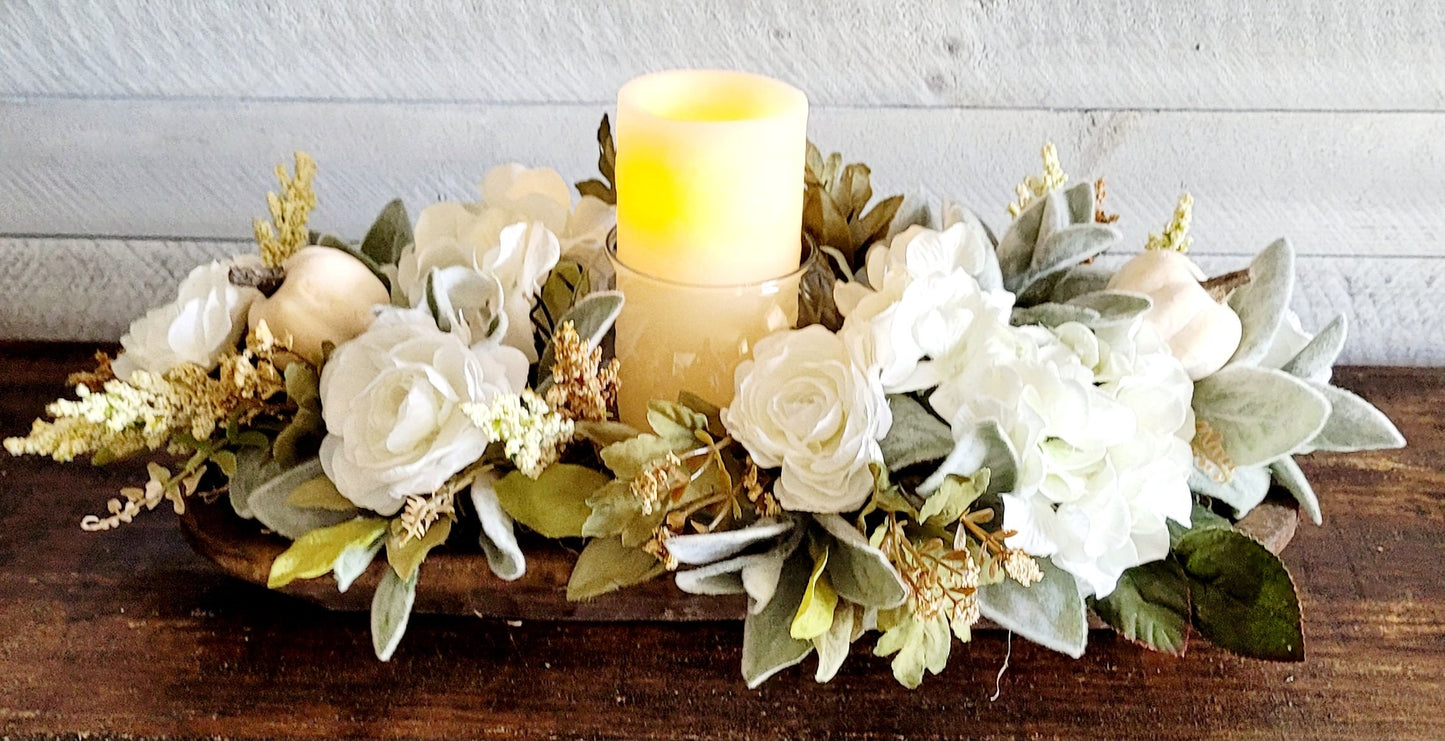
(207, 318)
(804, 403)
(392, 402)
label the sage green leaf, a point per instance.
(1150, 606)
(832, 644)
(613, 507)
(1315, 362)
(1262, 301)
(1079, 280)
(604, 433)
(353, 562)
(390, 611)
(1059, 252)
(1052, 315)
(1260, 413)
(919, 644)
(1050, 612)
(951, 500)
(1201, 518)
(319, 493)
(388, 235)
(627, 458)
(917, 436)
(1244, 490)
(675, 423)
(859, 572)
(497, 539)
(226, 461)
(1016, 246)
(761, 577)
(768, 648)
(314, 553)
(985, 447)
(815, 610)
(253, 468)
(1114, 307)
(606, 565)
(592, 316)
(1243, 598)
(719, 577)
(1354, 424)
(267, 503)
(555, 503)
(1289, 475)
(567, 282)
(405, 554)
(703, 548)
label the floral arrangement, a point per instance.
(960, 426)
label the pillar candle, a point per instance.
(709, 177)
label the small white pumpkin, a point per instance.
(1201, 332)
(327, 296)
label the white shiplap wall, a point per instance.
(137, 138)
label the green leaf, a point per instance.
(604, 433)
(319, 493)
(768, 646)
(1113, 307)
(815, 611)
(267, 503)
(710, 547)
(390, 611)
(1316, 360)
(1244, 490)
(1079, 280)
(1052, 315)
(555, 503)
(627, 458)
(226, 461)
(1354, 424)
(606, 565)
(1262, 301)
(406, 554)
(1243, 598)
(1201, 518)
(917, 436)
(388, 235)
(497, 538)
(1287, 472)
(1050, 612)
(951, 500)
(919, 644)
(316, 552)
(859, 572)
(1150, 606)
(1260, 414)
(612, 508)
(675, 423)
(564, 285)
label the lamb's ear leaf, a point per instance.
(1050, 612)
(768, 646)
(1316, 360)
(1354, 424)
(1244, 490)
(1262, 302)
(390, 611)
(917, 435)
(1260, 414)
(1289, 475)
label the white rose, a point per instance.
(207, 318)
(804, 403)
(391, 399)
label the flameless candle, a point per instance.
(709, 176)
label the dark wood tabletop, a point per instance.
(130, 634)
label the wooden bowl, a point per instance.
(456, 582)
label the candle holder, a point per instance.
(674, 336)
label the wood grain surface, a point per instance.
(130, 634)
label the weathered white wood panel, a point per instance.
(90, 289)
(1059, 54)
(1337, 184)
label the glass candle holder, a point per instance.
(673, 337)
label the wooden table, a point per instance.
(130, 634)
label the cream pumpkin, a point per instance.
(1201, 332)
(327, 296)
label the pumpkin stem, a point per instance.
(1219, 287)
(264, 279)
